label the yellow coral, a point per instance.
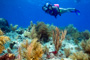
(1, 48)
(1, 33)
(10, 55)
(33, 52)
(3, 40)
(33, 33)
(25, 45)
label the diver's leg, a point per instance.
(63, 10)
(72, 10)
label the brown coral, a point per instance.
(46, 50)
(79, 56)
(43, 32)
(67, 51)
(86, 46)
(57, 39)
(7, 57)
(86, 34)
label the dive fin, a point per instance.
(77, 12)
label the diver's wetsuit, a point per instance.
(52, 10)
(56, 11)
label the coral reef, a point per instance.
(63, 44)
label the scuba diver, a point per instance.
(54, 10)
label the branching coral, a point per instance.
(42, 31)
(32, 34)
(46, 50)
(79, 56)
(67, 51)
(13, 28)
(3, 40)
(86, 46)
(34, 51)
(31, 25)
(57, 39)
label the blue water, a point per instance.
(21, 12)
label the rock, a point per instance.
(4, 26)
